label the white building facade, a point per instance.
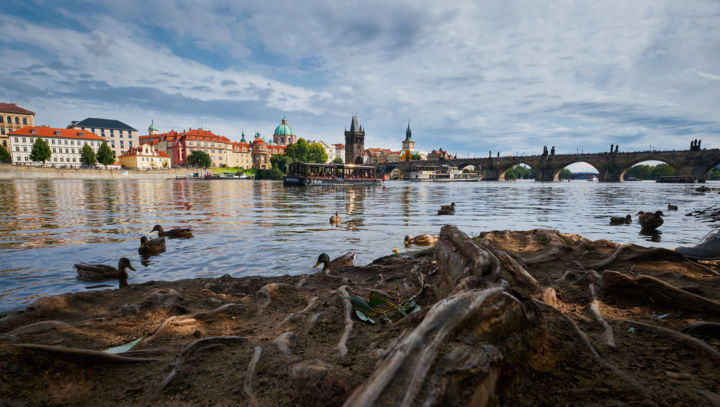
(65, 144)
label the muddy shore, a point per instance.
(506, 318)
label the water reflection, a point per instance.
(243, 227)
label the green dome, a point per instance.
(284, 129)
(152, 126)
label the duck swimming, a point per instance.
(617, 220)
(174, 232)
(335, 219)
(98, 272)
(447, 209)
(672, 207)
(148, 247)
(650, 221)
(346, 259)
(421, 240)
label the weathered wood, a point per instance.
(608, 338)
(650, 288)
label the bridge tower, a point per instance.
(408, 145)
(354, 143)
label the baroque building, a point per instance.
(13, 117)
(145, 157)
(284, 134)
(118, 135)
(354, 143)
(65, 144)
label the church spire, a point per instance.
(354, 124)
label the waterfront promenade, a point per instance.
(9, 171)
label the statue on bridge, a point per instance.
(545, 151)
(552, 151)
(616, 148)
(611, 148)
(695, 145)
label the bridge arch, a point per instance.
(655, 160)
(559, 169)
(503, 172)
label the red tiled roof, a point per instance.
(45, 131)
(13, 108)
(192, 134)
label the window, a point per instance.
(24, 120)
(25, 149)
(17, 120)
(17, 148)
(9, 120)
(2, 130)
(16, 139)
(24, 140)
(112, 132)
(1, 119)
(92, 129)
(66, 142)
(54, 150)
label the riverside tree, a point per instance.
(338, 160)
(299, 151)
(87, 156)
(4, 155)
(317, 154)
(105, 155)
(40, 151)
(199, 159)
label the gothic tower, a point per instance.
(408, 145)
(354, 143)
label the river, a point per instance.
(262, 228)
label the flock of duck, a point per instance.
(148, 247)
(649, 221)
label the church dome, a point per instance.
(152, 126)
(284, 129)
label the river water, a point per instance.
(262, 228)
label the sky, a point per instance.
(469, 76)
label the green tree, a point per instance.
(317, 154)
(662, 170)
(4, 155)
(199, 159)
(105, 155)
(298, 151)
(281, 161)
(87, 156)
(274, 173)
(40, 151)
(338, 160)
(415, 156)
(713, 174)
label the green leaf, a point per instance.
(376, 299)
(402, 311)
(416, 309)
(364, 317)
(124, 348)
(359, 302)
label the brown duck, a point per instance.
(447, 209)
(618, 220)
(421, 240)
(650, 221)
(174, 232)
(99, 272)
(346, 259)
(149, 247)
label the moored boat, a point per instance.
(307, 174)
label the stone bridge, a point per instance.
(611, 166)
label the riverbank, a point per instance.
(506, 318)
(9, 171)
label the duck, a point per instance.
(421, 240)
(672, 207)
(98, 272)
(335, 219)
(650, 221)
(174, 232)
(618, 220)
(346, 259)
(447, 209)
(148, 247)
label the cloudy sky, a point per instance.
(471, 76)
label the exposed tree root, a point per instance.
(283, 341)
(680, 337)
(38, 327)
(651, 288)
(83, 355)
(608, 338)
(250, 375)
(703, 328)
(551, 255)
(413, 364)
(179, 367)
(516, 270)
(342, 345)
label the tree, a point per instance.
(40, 151)
(317, 154)
(105, 155)
(565, 174)
(281, 162)
(298, 151)
(87, 156)
(199, 159)
(338, 160)
(415, 156)
(4, 155)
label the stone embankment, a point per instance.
(9, 171)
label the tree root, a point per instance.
(516, 270)
(83, 355)
(250, 374)
(342, 345)
(198, 345)
(658, 291)
(39, 327)
(608, 337)
(478, 316)
(680, 337)
(175, 320)
(548, 256)
(703, 328)
(282, 342)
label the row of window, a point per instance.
(54, 150)
(112, 131)
(31, 140)
(54, 159)
(17, 120)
